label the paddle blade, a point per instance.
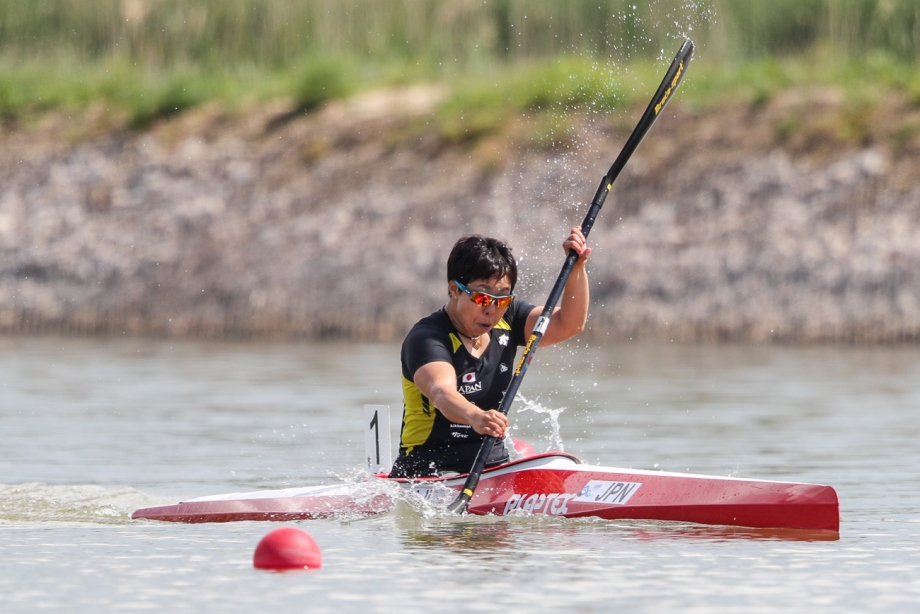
(461, 503)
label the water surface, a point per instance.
(92, 429)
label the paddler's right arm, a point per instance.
(438, 381)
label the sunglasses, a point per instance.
(484, 299)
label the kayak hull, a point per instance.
(554, 484)
(588, 491)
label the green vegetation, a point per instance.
(146, 59)
(479, 106)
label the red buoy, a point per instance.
(287, 548)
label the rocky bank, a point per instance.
(795, 221)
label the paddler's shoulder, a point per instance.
(437, 323)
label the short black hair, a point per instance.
(477, 257)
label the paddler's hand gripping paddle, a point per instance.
(664, 94)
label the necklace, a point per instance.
(476, 341)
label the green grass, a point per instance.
(479, 106)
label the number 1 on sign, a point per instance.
(377, 438)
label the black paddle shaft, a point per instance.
(662, 96)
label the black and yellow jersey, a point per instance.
(429, 443)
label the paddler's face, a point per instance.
(474, 319)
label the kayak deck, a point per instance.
(308, 503)
(556, 484)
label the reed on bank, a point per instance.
(140, 60)
(444, 35)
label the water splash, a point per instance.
(422, 500)
(552, 418)
(39, 502)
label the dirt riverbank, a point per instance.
(797, 220)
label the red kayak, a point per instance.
(555, 484)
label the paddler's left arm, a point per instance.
(570, 316)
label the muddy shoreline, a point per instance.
(726, 225)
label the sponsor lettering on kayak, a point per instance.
(557, 504)
(553, 504)
(602, 491)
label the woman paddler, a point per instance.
(458, 361)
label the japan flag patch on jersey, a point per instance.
(469, 378)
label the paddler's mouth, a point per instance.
(482, 328)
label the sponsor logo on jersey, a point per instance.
(503, 367)
(503, 339)
(469, 389)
